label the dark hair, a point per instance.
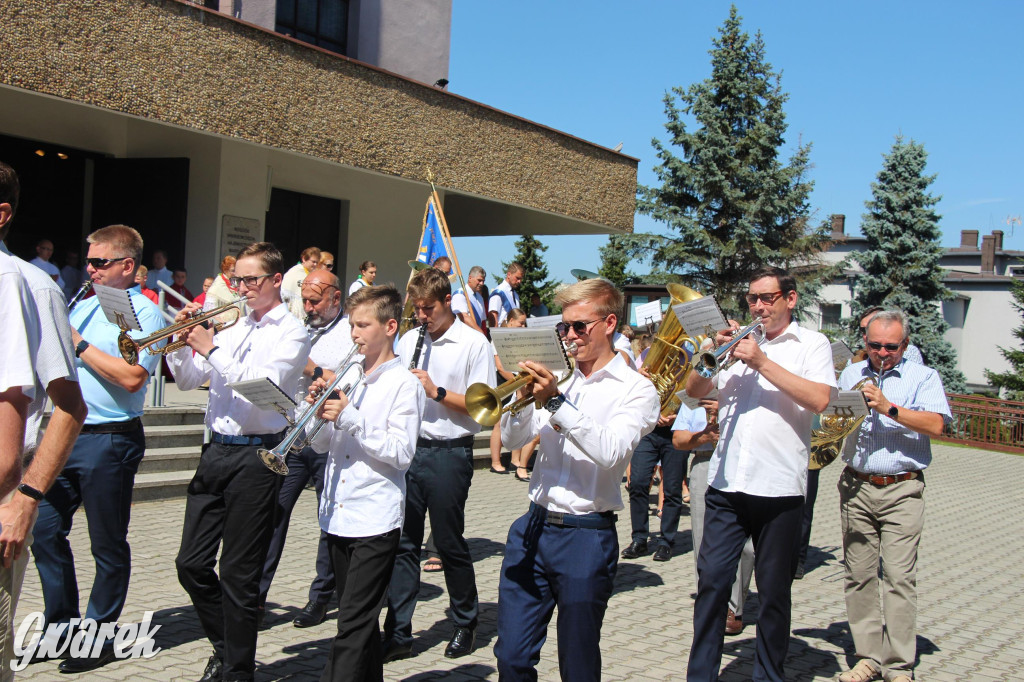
(367, 264)
(785, 280)
(269, 255)
(10, 191)
(515, 267)
(430, 283)
(385, 301)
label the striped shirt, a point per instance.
(882, 446)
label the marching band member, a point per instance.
(331, 339)
(233, 496)
(564, 551)
(453, 358)
(470, 306)
(100, 472)
(758, 474)
(372, 438)
(504, 297)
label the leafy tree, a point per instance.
(1012, 380)
(529, 254)
(730, 204)
(614, 259)
(901, 263)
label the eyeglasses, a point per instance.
(891, 347)
(767, 299)
(328, 266)
(319, 289)
(251, 282)
(579, 326)
(100, 263)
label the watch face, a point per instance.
(893, 411)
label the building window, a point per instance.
(323, 23)
(831, 314)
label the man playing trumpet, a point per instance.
(757, 476)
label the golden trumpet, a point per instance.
(484, 403)
(130, 348)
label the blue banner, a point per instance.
(432, 246)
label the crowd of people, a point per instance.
(396, 449)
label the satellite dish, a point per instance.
(581, 275)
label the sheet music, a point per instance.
(648, 313)
(117, 306)
(692, 403)
(699, 316)
(841, 353)
(515, 345)
(264, 394)
(848, 404)
(545, 322)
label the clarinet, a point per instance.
(419, 347)
(86, 287)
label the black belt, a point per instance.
(114, 427)
(257, 439)
(464, 442)
(597, 520)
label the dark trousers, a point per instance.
(437, 483)
(363, 567)
(774, 525)
(100, 473)
(653, 448)
(545, 566)
(303, 466)
(808, 517)
(231, 502)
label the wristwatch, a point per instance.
(441, 393)
(554, 403)
(893, 411)
(80, 348)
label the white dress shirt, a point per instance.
(276, 347)
(371, 444)
(580, 465)
(55, 358)
(503, 299)
(328, 347)
(765, 436)
(19, 330)
(476, 299)
(458, 359)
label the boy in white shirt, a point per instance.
(371, 434)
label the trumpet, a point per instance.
(80, 294)
(711, 362)
(484, 403)
(293, 440)
(130, 348)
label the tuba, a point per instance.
(828, 439)
(668, 362)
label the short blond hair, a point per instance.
(606, 298)
(126, 242)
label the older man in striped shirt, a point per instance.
(881, 495)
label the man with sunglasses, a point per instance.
(233, 496)
(912, 352)
(564, 551)
(757, 476)
(330, 338)
(881, 498)
(100, 471)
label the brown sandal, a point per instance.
(433, 565)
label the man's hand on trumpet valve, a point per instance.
(332, 408)
(724, 336)
(749, 352)
(544, 385)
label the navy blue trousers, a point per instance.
(805, 532)
(547, 566)
(653, 448)
(774, 525)
(303, 466)
(100, 473)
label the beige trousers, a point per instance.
(882, 522)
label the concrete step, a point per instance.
(174, 436)
(172, 416)
(182, 459)
(161, 485)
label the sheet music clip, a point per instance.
(116, 304)
(649, 321)
(266, 395)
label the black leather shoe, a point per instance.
(799, 575)
(393, 651)
(311, 614)
(461, 644)
(663, 553)
(84, 665)
(214, 670)
(636, 549)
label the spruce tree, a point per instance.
(901, 263)
(529, 254)
(1012, 380)
(614, 259)
(730, 204)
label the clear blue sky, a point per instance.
(946, 74)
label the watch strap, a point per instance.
(441, 393)
(26, 489)
(80, 348)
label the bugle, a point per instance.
(130, 348)
(711, 362)
(80, 294)
(295, 439)
(484, 403)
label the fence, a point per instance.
(987, 423)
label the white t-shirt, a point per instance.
(357, 285)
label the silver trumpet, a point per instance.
(711, 362)
(295, 440)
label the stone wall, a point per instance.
(173, 62)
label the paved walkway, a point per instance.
(970, 578)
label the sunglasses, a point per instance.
(329, 266)
(250, 281)
(891, 347)
(767, 299)
(100, 263)
(579, 326)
